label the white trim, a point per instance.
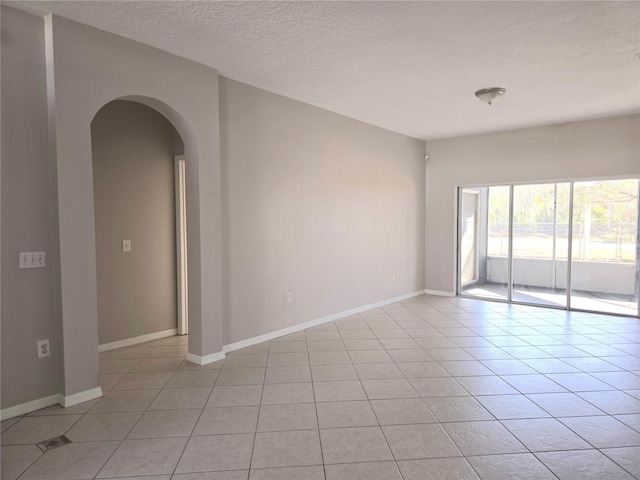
(127, 342)
(302, 326)
(76, 398)
(29, 407)
(440, 293)
(181, 244)
(198, 360)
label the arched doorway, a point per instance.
(133, 155)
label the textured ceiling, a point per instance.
(410, 67)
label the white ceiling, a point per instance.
(410, 67)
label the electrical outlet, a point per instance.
(289, 297)
(393, 276)
(32, 260)
(126, 245)
(44, 348)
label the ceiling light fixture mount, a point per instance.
(490, 95)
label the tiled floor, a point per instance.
(430, 388)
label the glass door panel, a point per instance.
(484, 242)
(540, 246)
(604, 246)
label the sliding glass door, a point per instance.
(564, 245)
(604, 247)
(540, 243)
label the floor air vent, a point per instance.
(54, 442)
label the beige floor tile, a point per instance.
(71, 462)
(16, 459)
(523, 466)
(125, 401)
(286, 449)
(11, 421)
(154, 456)
(603, 431)
(329, 358)
(436, 468)
(621, 380)
(180, 398)
(354, 445)
(363, 471)
(486, 385)
(579, 382)
(363, 333)
(409, 442)
(278, 418)
(582, 464)
(235, 396)
(256, 360)
(483, 438)
(363, 344)
(223, 420)
(123, 365)
(533, 384)
(613, 403)
(217, 452)
(422, 370)
(338, 391)
(252, 350)
(377, 371)
(438, 387)
(241, 376)
(564, 405)
(287, 393)
(457, 409)
(143, 381)
(509, 367)
(388, 388)
(325, 345)
(301, 374)
(195, 378)
(293, 359)
(165, 351)
(545, 435)
(288, 473)
(346, 414)
(226, 475)
(449, 354)
(103, 426)
(370, 356)
(402, 411)
(158, 365)
(626, 457)
(329, 373)
(31, 430)
(165, 423)
(410, 354)
(465, 368)
(109, 380)
(506, 407)
(632, 420)
(324, 335)
(288, 347)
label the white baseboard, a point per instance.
(29, 407)
(439, 293)
(198, 360)
(128, 342)
(302, 326)
(76, 398)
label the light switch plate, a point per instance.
(126, 245)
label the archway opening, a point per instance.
(139, 228)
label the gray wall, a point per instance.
(30, 297)
(315, 203)
(133, 185)
(603, 148)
